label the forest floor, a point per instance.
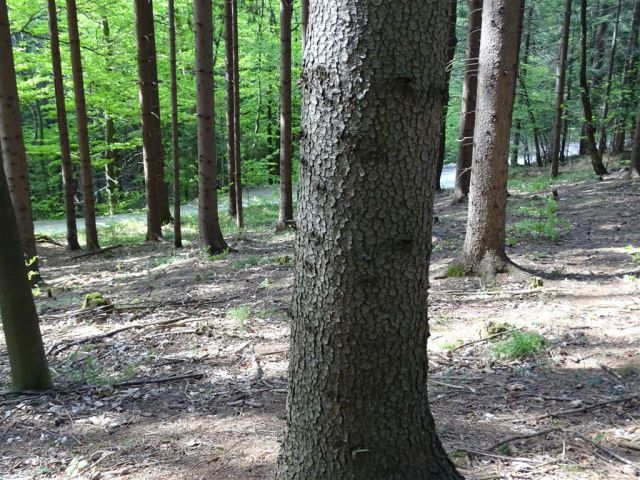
(184, 375)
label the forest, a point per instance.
(338, 239)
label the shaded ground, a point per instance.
(197, 389)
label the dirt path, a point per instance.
(202, 395)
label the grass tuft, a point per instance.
(520, 345)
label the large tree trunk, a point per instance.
(452, 43)
(150, 116)
(628, 80)
(175, 137)
(236, 118)
(304, 21)
(515, 150)
(86, 172)
(210, 234)
(63, 131)
(371, 126)
(484, 245)
(596, 158)
(560, 84)
(13, 155)
(605, 107)
(285, 216)
(29, 369)
(231, 142)
(635, 152)
(469, 97)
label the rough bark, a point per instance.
(28, 362)
(484, 245)
(596, 158)
(560, 84)
(150, 117)
(515, 150)
(110, 170)
(175, 137)
(86, 172)
(451, 50)
(372, 93)
(237, 158)
(469, 98)
(304, 21)
(635, 152)
(605, 106)
(14, 158)
(63, 130)
(210, 234)
(285, 215)
(231, 143)
(628, 80)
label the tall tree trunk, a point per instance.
(63, 131)
(357, 376)
(628, 80)
(110, 170)
(236, 118)
(28, 362)
(612, 59)
(86, 172)
(285, 215)
(210, 234)
(469, 98)
(150, 116)
(452, 43)
(13, 155)
(596, 159)
(304, 21)
(175, 137)
(518, 127)
(560, 84)
(635, 152)
(484, 244)
(231, 142)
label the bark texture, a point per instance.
(635, 152)
(451, 50)
(469, 97)
(175, 137)
(14, 158)
(231, 142)
(29, 369)
(589, 129)
(285, 216)
(150, 117)
(560, 84)
(237, 158)
(63, 131)
(372, 103)
(484, 245)
(210, 234)
(86, 172)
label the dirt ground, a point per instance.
(184, 375)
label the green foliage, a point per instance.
(239, 314)
(541, 221)
(455, 270)
(520, 345)
(634, 253)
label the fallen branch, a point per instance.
(47, 239)
(95, 252)
(65, 345)
(499, 334)
(522, 437)
(133, 383)
(585, 408)
(493, 455)
(457, 387)
(611, 453)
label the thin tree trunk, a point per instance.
(628, 80)
(357, 404)
(285, 216)
(109, 133)
(596, 159)
(605, 107)
(210, 234)
(231, 143)
(516, 140)
(150, 117)
(13, 156)
(469, 98)
(86, 172)
(175, 137)
(484, 245)
(452, 43)
(236, 118)
(560, 84)
(515, 150)
(63, 131)
(635, 152)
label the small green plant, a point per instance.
(520, 345)
(219, 256)
(541, 221)
(246, 262)
(239, 314)
(455, 270)
(267, 283)
(633, 252)
(504, 449)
